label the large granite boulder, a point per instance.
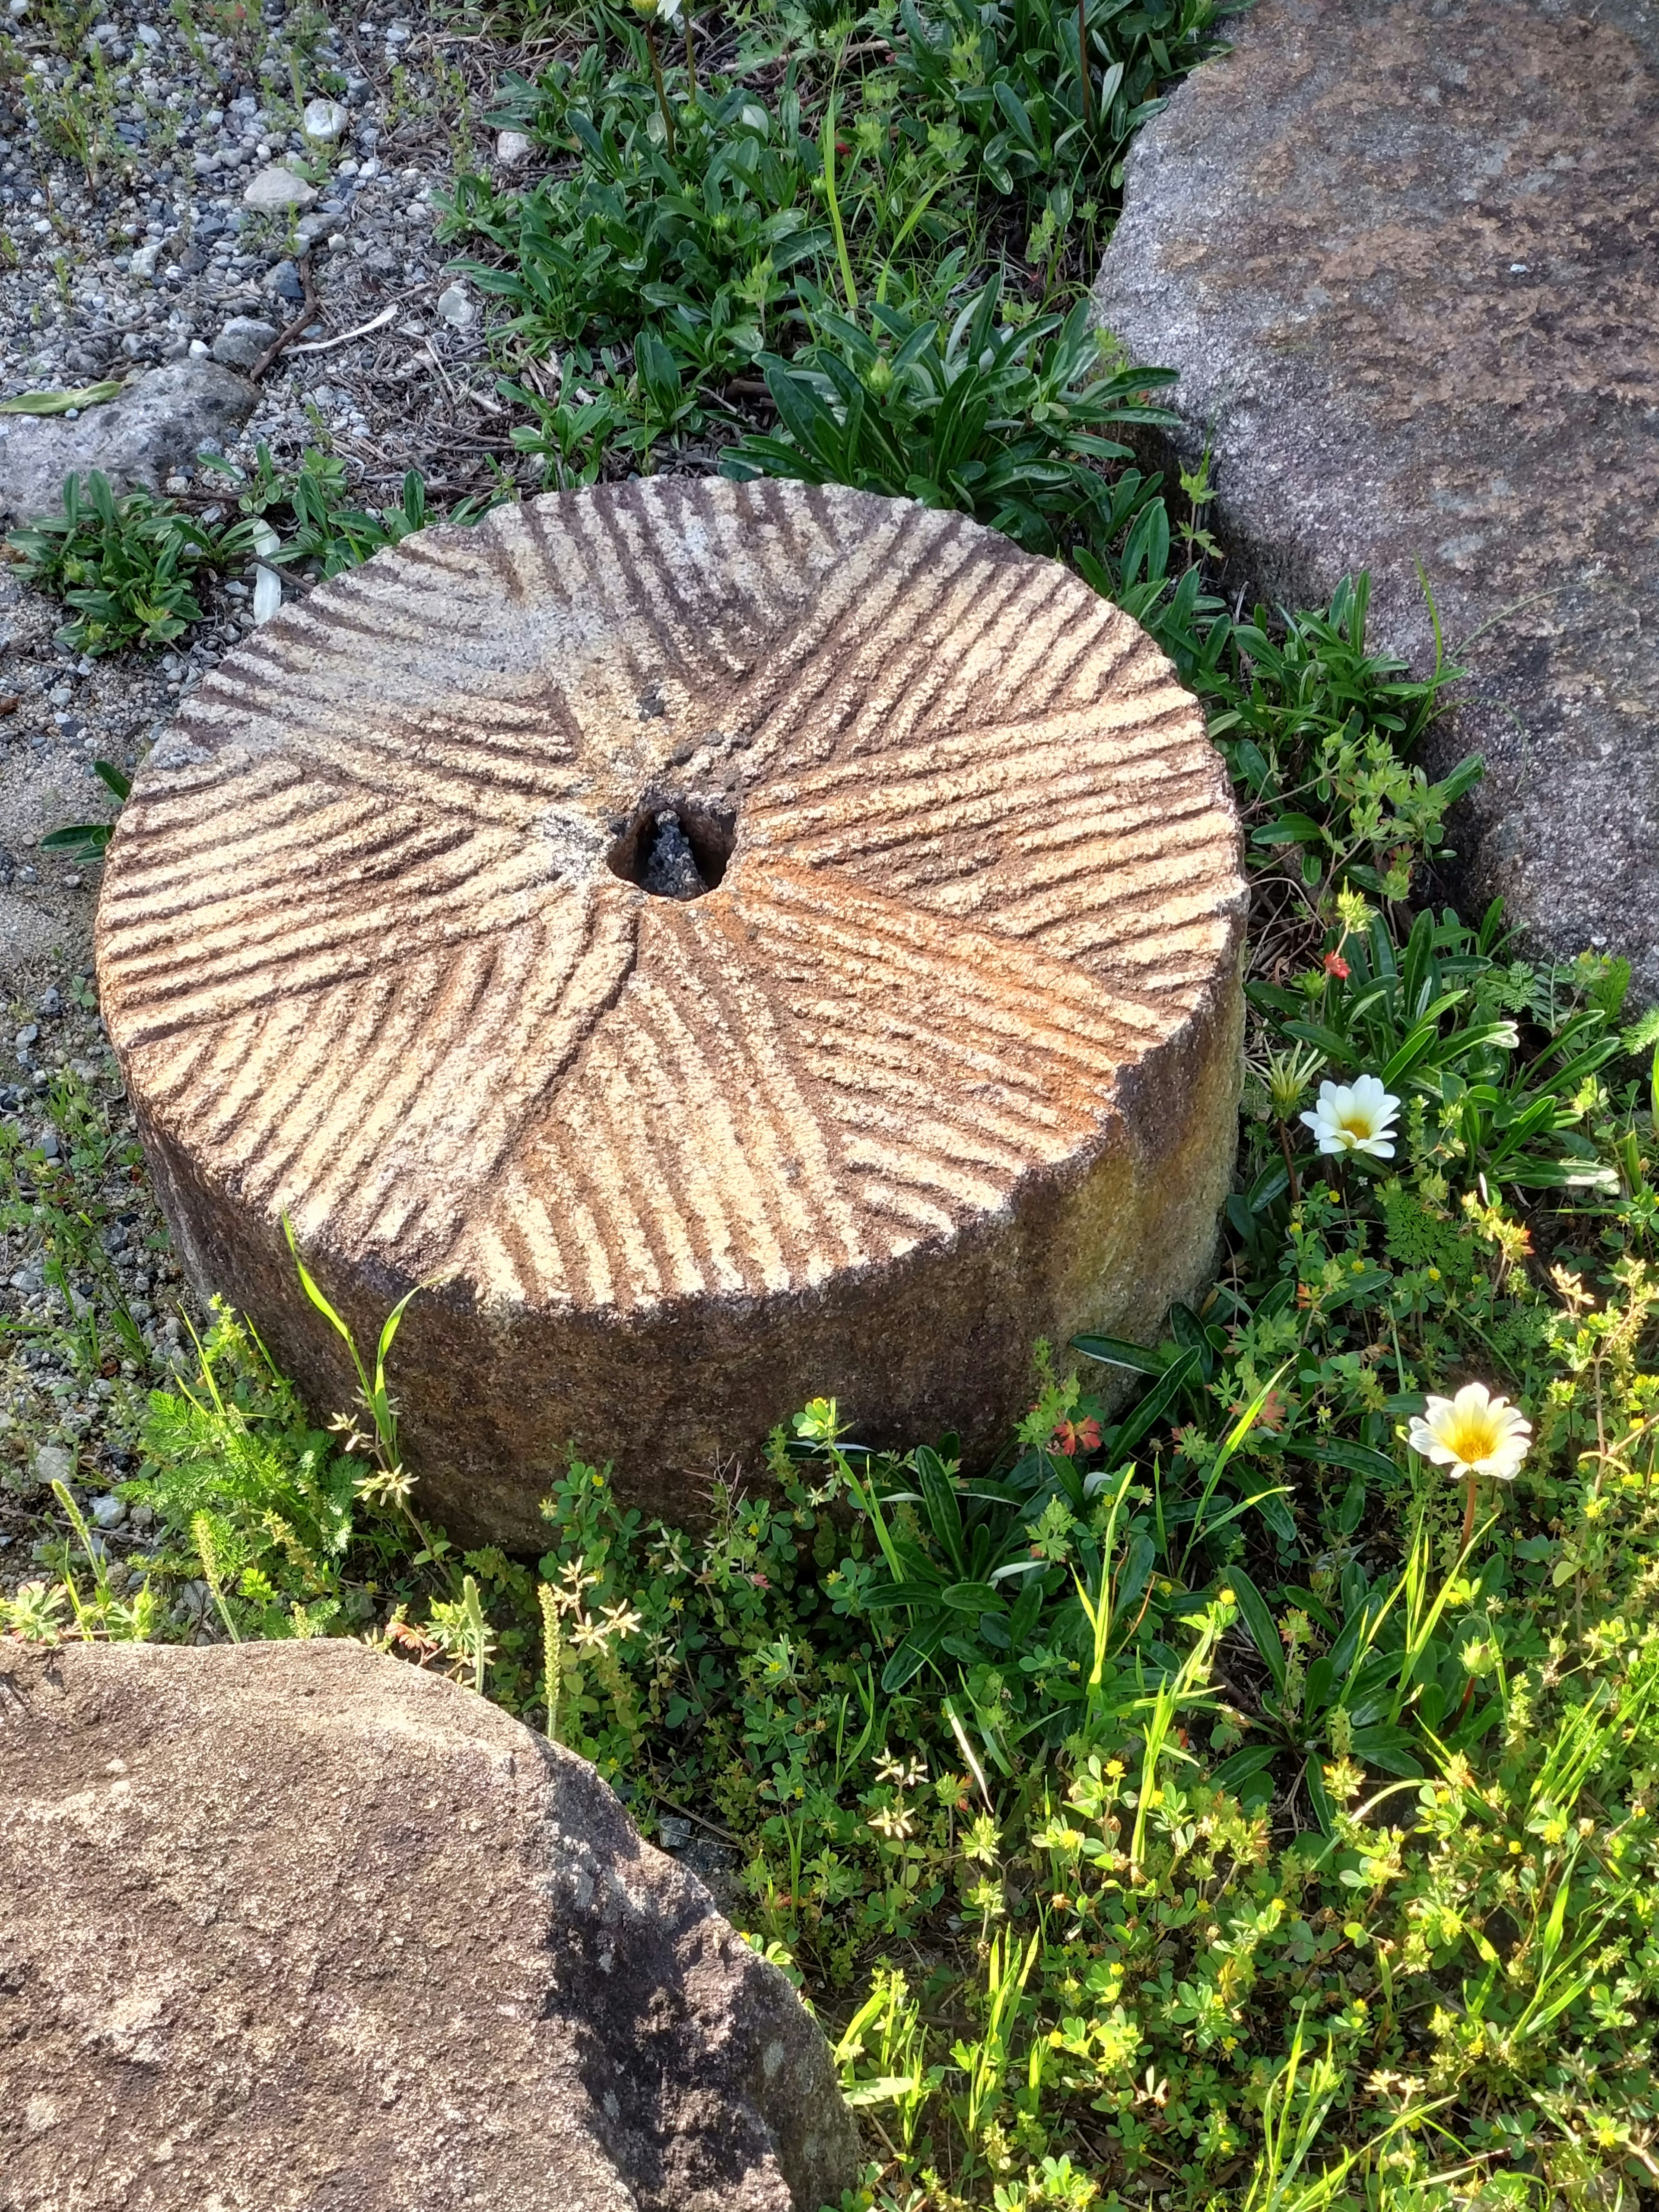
(1403, 253)
(158, 424)
(732, 942)
(292, 1925)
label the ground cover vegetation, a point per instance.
(1242, 1794)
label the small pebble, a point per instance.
(53, 1463)
(324, 119)
(273, 192)
(243, 339)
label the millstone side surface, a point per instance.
(946, 1060)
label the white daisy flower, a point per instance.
(1355, 1117)
(1472, 1433)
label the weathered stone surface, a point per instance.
(324, 119)
(244, 340)
(1403, 255)
(277, 190)
(293, 1925)
(158, 424)
(946, 1061)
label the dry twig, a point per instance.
(307, 316)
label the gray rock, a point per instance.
(242, 341)
(275, 191)
(324, 119)
(1391, 247)
(158, 425)
(108, 1512)
(54, 1463)
(512, 148)
(393, 1944)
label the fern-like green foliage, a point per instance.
(236, 1456)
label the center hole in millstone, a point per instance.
(674, 849)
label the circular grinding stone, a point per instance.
(729, 944)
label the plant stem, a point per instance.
(552, 1658)
(656, 79)
(827, 145)
(1289, 1164)
(1468, 1514)
(1083, 63)
(691, 56)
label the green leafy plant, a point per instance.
(1002, 422)
(309, 510)
(698, 241)
(1010, 76)
(132, 565)
(1320, 729)
(128, 565)
(89, 840)
(60, 403)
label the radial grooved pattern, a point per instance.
(906, 1087)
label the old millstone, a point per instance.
(295, 1924)
(395, 942)
(1403, 256)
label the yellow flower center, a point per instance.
(1357, 1124)
(1472, 1435)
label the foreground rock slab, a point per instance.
(1403, 256)
(732, 942)
(158, 424)
(293, 1925)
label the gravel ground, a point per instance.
(151, 260)
(125, 244)
(83, 1348)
